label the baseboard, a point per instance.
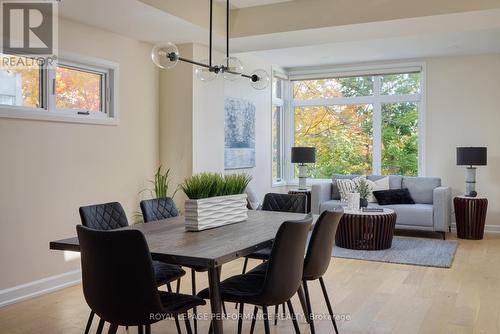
(36, 288)
(487, 228)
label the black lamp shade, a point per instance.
(472, 156)
(303, 155)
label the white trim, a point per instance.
(49, 112)
(494, 229)
(40, 287)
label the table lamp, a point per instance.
(302, 156)
(471, 156)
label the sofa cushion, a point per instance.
(421, 188)
(335, 189)
(413, 214)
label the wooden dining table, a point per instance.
(169, 242)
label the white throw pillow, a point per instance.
(345, 186)
(382, 184)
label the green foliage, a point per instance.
(363, 188)
(207, 185)
(343, 135)
(161, 184)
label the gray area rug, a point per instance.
(413, 251)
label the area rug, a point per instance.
(412, 251)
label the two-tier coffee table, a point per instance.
(366, 230)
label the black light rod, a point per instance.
(210, 38)
(194, 62)
(227, 32)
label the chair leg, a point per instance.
(193, 289)
(302, 300)
(254, 319)
(309, 309)
(245, 264)
(276, 310)
(188, 325)
(148, 329)
(177, 325)
(140, 329)
(240, 318)
(100, 327)
(178, 287)
(328, 304)
(267, 330)
(292, 315)
(89, 322)
(112, 329)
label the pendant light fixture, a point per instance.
(166, 56)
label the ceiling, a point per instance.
(438, 35)
(251, 3)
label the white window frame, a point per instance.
(279, 102)
(377, 100)
(49, 112)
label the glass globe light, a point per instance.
(165, 55)
(203, 73)
(232, 64)
(262, 79)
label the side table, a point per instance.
(470, 215)
(306, 192)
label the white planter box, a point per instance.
(202, 214)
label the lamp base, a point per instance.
(302, 177)
(470, 182)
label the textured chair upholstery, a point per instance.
(118, 279)
(285, 203)
(103, 217)
(158, 209)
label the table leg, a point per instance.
(215, 299)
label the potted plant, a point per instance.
(364, 190)
(215, 200)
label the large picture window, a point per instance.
(365, 124)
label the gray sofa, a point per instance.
(431, 211)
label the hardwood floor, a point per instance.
(376, 298)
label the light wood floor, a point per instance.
(377, 298)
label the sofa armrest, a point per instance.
(442, 209)
(320, 192)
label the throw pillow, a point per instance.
(393, 196)
(382, 184)
(345, 186)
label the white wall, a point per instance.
(49, 169)
(463, 109)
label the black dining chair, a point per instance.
(278, 283)
(278, 202)
(110, 216)
(163, 208)
(316, 263)
(119, 282)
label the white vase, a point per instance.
(202, 214)
(353, 201)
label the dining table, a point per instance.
(170, 242)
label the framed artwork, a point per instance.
(239, 143)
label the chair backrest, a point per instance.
(285, 202)
(108, 216)
(158, 209)
(319, 250)
(117, 276)
(286, 263)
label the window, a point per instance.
(81, 91)
(366, 124)
(20, 82)
(277, 129)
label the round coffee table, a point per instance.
(366, 230)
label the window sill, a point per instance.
(39, 115)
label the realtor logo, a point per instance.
(28, 28)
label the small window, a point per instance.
(20, 82)
(277, 134)
(79, 89)
(333, 88)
